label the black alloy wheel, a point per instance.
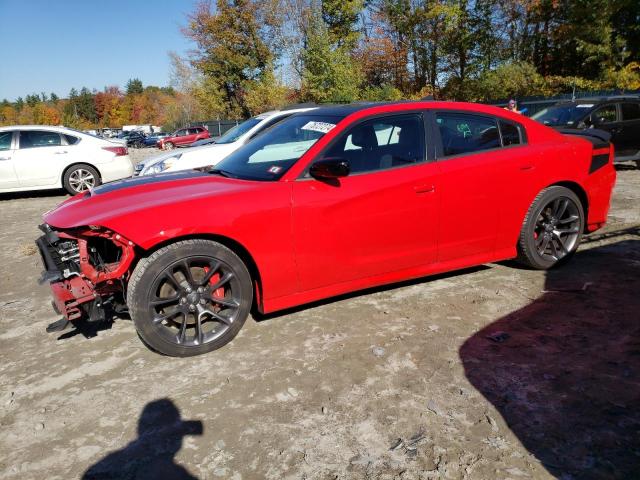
(552, 229)
(194, 301)
(190, 297)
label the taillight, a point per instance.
(119, 151)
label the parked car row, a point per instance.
(35, 157)
(208, 151)
(619, 116)
(39, 157)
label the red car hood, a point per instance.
(134, 199)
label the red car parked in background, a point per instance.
(326, 202)
(184, 136)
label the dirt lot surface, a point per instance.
(491, 373)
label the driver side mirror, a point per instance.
(330, 168)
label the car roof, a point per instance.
(285, 111)
(38, 127)
(345, 110)
(599, 100)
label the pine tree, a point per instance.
(134, 86)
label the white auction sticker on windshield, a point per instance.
(322, 127)
(584, 105)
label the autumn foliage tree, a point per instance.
(236, 53)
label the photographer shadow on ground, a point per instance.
(564, 372)
(151, 455)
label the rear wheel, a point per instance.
(190, 297)
(552, 229)
(80, 178)
(638, 164)
(169, 146)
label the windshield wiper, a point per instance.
(222, 173)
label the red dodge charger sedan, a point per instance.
(326, 202)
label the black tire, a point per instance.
(169, 146)
(552, 229)
(80, 178)
(188, 317)
(638, 164)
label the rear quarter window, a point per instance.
(511, 134)
(71, 140)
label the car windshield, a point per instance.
(563, 115)
(236, 132)
(269, 156)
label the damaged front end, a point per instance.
(87, 269)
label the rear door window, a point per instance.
(630, 111)
(39, 138)
(464, 133)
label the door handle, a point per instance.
(424, 188)
(5, 158)
(60, 153)
(527, 167)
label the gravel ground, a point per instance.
(495, 372)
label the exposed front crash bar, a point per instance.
(79, 286)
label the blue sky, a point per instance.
(52, 46)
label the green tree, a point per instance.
(509, 80)
(86, 106)
(134, 86)
(53, 97)
(32, 99)
(329, 72)
(341, 18)
(233, 49)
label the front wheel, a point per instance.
(169, 146)
(190, 297)
(552, 229)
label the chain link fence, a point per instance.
(216, 128)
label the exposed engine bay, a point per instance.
(87, 269)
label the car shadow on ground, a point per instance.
(151, 455)
(34, 194)
(620, 167)
(564, 372)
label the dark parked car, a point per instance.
(152, 139)
(136, 139)
(619, 116)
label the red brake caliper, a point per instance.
(219, 292)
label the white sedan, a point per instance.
(37, 157)
(206, 155)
